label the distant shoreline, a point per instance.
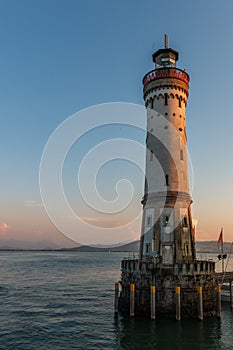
(202, 247)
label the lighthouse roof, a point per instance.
(165, 52)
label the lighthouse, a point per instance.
(167, 280)
(167, 229)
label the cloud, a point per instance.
(32, 204)
(4, 227)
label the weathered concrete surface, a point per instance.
(189, 278)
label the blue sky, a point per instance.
(58, 57)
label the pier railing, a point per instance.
(166, 73)
(185, 268)
(224, 277)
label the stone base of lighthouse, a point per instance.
(188, 276)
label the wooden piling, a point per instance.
(152, 301)
(132, 299)
(200, 303)
(178, 317)
(219, 306)
(116, 298)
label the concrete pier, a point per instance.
(144, 274)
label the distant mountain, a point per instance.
(65, 243)
(212, 247)
(202, 247)
(62, 242)
(129, 247)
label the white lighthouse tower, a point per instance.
(167, 231)
(167, 280)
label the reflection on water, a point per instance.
(211, 333)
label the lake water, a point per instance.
(64, 300)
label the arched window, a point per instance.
(165, 99)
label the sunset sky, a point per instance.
(58, 57)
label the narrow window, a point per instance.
(185, 221)
(179, 102)
(165, 220)
(167, 180)
(165, 99)
(152, 104)
(181, 155)
(151, 155)
(147, 247)
(148, 221)
(187, 249)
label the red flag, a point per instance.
(220, 240)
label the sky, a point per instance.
(60, 57)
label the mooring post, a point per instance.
(152, 301)
(231, 297)
(178, 303)
(219, 306)
(132, 292)
(116, 298)
(200, 303)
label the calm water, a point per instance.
(65, 301)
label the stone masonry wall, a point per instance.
(165, 281)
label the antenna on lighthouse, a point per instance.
(166, 41)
